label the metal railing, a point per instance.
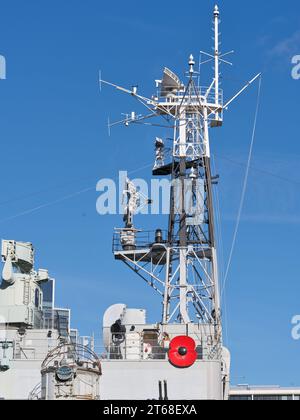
(200, 92)
(132, 353)
(143, 240)
(121, 348)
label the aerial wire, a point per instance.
(62, 199)
(244, 189)
(220, 254)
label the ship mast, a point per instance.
(216, 59)
(182, 265)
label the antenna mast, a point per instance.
(181, 264)
(216, 29)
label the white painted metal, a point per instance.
(139, 379)
(216, 28)
(135, 363)
(171, 268)
(134, 317)
(26, 354)
(25, 341)
(192, 110)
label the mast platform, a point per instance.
(156, 255)
(173, 167)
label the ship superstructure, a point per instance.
(30, 324)
(179, 357)
(184, 350)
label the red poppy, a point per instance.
(182, 352)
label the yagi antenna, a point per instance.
(220, 57)
(108, 126)
(100, 80)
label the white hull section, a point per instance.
(139, 380)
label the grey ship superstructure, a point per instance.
(30, 324)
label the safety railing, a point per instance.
(141, 240)
(200, 92)
(137, 349)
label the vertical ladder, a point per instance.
(26, 294)
(17, 349)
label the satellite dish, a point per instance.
(170, 82)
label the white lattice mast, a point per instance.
(183, 266)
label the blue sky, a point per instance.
(55, 146)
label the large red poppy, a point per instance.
(182, 352)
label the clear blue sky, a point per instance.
(54, 142)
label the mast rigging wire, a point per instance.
(62, 199)
(244, 190)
